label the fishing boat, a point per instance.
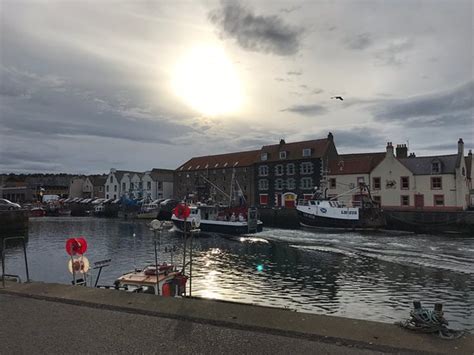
(219, 219)
(323, 212)
(164, 280)
(149, 210)
(37, 212)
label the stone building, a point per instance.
(286, 172)
(210, 178)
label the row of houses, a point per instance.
(278, 175)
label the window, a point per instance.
(436, 183)
(307, 196)
(101, 188)
(263, 170)
(263, 184)
(404, 183)
(107, 195)
(123, 186)
(307, 152)
(115, 188)
(306, 168)
(377, 199)
(405, 200)
(148, 185)
(332, 183)
(107, 188)
(291, 184)
(279, 169)
(159, 185)
(264, 199)
(264, 156)
(290, 169)
(376, 183)
(283, 154)
(463, 171)
(111, 179)
(279, 184)
(115, 196)
(140, 185)
(435, 167)
(360, 180)
(306, 183)
(438, 200)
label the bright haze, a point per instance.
(89, 85)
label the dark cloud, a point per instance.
(307, 110)
(451, 107)
(359, 42)
(257, 33)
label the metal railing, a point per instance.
(4, 247)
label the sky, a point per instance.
(86, 86)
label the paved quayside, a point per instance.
(54, 318)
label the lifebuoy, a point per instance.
(181, 211)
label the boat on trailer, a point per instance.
(323, 212)
(220, 220)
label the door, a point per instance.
(289, 200)
(419, 201)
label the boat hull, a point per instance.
(368, 219)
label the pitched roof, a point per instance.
(220, 161)
(423, 165)
(360, 163)
(294, 150)
(97, 180)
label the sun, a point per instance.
(205, 79)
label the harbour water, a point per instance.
(373, 276)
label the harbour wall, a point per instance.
(346, 332)
(412, 221)
(13, 223)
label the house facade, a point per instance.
(94, 186)
(286, 172)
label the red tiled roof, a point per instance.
(220, 161)
(294, 150)
(361, 163)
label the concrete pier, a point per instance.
(118, 322)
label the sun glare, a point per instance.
(206, 80)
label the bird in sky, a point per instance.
(337, 98)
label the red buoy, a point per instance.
(182, 211)
(76, 246)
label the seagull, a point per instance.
(337, 98)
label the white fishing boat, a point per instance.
(330, 213)
(149, 210)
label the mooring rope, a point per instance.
(430, 321)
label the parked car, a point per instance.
(8, 205)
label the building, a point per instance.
(347, 172)
(94, 186)
(76, 187)
(210, 178)
(286, 172)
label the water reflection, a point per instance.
(368, 276)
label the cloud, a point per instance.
(294, 72)
(394, 53)
(317, 91)
(446, 108)
(290, 9)
(359, 42)
(307, 110)
(256, 33)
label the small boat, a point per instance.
(149, 210)
(165, 280)
(220, 220)
(325, 212)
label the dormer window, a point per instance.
(307, 152)
(283, 154)
(435, 167)
(264, 156)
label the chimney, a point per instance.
(470, 153)
(412, 155)
(460, 147)
(389, 149)
(402, 151)
(330, 136)
(282, 141)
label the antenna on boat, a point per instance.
(134, 251)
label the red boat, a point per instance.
(37, 212)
